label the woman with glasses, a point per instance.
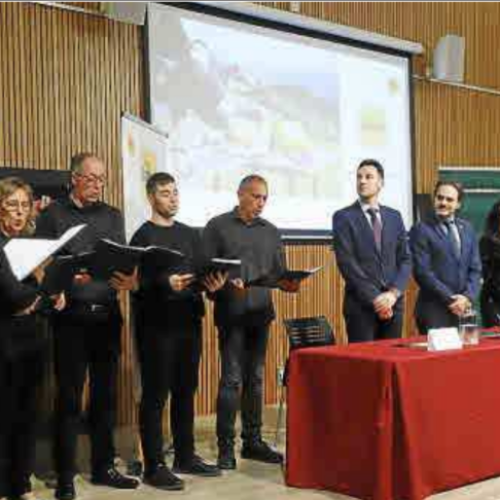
(489, 247)
(21, 347)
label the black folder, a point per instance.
(275, 280)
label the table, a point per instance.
(380, 421)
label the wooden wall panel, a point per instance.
(66, 77)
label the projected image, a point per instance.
(241, 115)
(236, 99)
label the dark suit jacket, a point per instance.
(366, 271)
(439, 273)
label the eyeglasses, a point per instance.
(15, 206)
(92, 179)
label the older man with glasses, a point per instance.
(87, 334)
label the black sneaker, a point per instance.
(164, 479)
(65, 490)
(226, 459)
(262, 452)
(114, 479)
(134, 468)
(196, 466)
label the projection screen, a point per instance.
(239, 97)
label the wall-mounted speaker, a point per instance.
(449, 59)
(126, 12)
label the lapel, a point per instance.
(463, 237)
(366, 231)
(386, 227)
(438, 228)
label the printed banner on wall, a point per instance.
(144, 150)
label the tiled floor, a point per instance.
(251, 481)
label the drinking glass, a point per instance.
(468, 328)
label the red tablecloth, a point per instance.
(384, 422)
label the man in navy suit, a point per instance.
(371, 246)
(446, 260)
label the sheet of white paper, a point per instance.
(443, 339)
(26, 254)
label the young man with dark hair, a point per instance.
(446, 261)
(168, 315)
(370, 244)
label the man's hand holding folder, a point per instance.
(215, 281)
(125, 282)
(179, 282)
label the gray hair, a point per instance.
(246, 181)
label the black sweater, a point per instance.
(156, 304)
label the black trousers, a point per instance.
(169, 359)
(243, 354)
(85, 341)
(363, 324)
(20, 378)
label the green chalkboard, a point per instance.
(476, 205)
(473, 178)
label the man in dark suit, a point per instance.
(371, 247)
(446, 259)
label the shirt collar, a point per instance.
(257, 221)
(72, 204)
(365, 206)
(450, 220)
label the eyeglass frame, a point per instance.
(89, 179)
(14, 206)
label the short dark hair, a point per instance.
(158, 179)
(249, 179)
(456, 185)
(370, 162)
(78, 159)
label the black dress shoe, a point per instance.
(65, 490)
(262, 452)
(196, 466)
(226, 459)
(164, 479)
(114, 479)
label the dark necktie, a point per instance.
(376, 226)
(453, 236)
